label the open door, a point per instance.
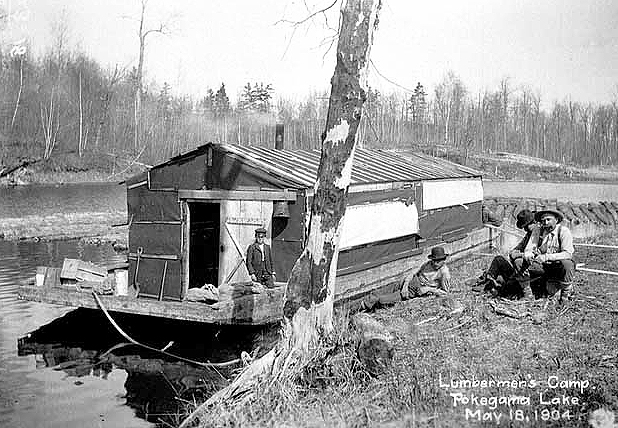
(204, 243)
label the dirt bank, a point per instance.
(92, 227)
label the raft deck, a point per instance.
(240, 306)
(241, 303)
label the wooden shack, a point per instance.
(192, 218)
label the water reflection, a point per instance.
(56, 367)
(83, 344)
(153, 385)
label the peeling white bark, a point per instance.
(346, 174)
(338, 133)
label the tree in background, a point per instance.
(64, 101)
(143, 33)
(417, 108)
(207, 103)
(256, 98)
(449, 97)
(221, 103)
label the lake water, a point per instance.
(31, 393)
(581, 192)
(54, 370)
(50, 199)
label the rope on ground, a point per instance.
(150, 348)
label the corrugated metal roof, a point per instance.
(370, 165)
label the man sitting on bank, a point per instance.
(550, 254)
(509, 276)
(260, 261)
(433, 277)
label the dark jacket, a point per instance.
(254, 260)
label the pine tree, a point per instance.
(208, 102)
(256, 98)
(164, 103)
(244, 102)
(418, 104)
(221, 105)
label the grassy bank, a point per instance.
(70, 168)
(438, 350)
(94, 227)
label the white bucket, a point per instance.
(39, 279)
(122, 279)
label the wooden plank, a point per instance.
(185, 213)
(69, 269)
(581, 244)
(87, 271)
(154, 256)
(117, 265)
(238, 195)
(580, 267)
(141, 183)
(228, 257)
(157, 222)
(52, 277)
(253, 309)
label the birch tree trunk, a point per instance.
(308, 310)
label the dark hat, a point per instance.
(539, 214)
(260, 230)
(524, 218)
(437, 253)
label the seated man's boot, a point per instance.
(566, 291)
(553, 294)
(524, 282)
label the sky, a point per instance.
(559, 49)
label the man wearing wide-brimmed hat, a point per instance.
(505, 276)
(433, 277)
(550, 250)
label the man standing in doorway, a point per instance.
(260, 261)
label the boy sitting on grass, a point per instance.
(433, 277)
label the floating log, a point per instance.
(375, 344)
(586, 212)
(609, 210)
(566, 211)
(595, 209)
(579, 213)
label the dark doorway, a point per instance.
(204, 244)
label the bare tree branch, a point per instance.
(311, 16)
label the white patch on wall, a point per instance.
(363, 224)
(448, 193)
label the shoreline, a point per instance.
(91, 227)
